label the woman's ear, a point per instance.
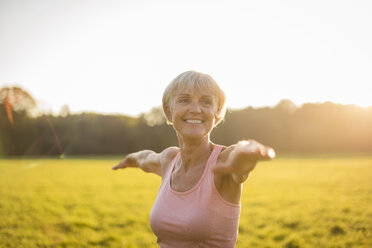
(168, 114)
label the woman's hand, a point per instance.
(243, 158)
(147, 160)
(128, 161)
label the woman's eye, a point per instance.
(206, 102)
(183, 100)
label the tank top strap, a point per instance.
(214, 156)
(170, 167)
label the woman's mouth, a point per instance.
(191, 121)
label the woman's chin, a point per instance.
(193, 135)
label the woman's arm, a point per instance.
(147, 160)
(241, 158)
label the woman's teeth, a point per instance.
(194, 121)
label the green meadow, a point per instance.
(288, 202)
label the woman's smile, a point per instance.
(193, 121)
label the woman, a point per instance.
(198, 203)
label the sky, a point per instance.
(118, 56)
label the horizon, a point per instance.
(37, 111)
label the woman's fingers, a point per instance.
(121, 165)
(118, 166)
(128, 161)
(267, 153)
(261, 151)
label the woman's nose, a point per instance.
(195, 107)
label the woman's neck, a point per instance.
(194, 152)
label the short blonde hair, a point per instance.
(196, 81)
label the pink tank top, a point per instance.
(199, 217)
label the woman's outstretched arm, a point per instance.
(147, 160)
(242, 158)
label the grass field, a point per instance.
(288, 202)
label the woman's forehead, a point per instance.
(194, 92)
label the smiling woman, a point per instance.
(198, 203)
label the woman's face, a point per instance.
(193, 114)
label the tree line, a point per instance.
(312, 128)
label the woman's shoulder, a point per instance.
(167, 155)
(225, 151)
